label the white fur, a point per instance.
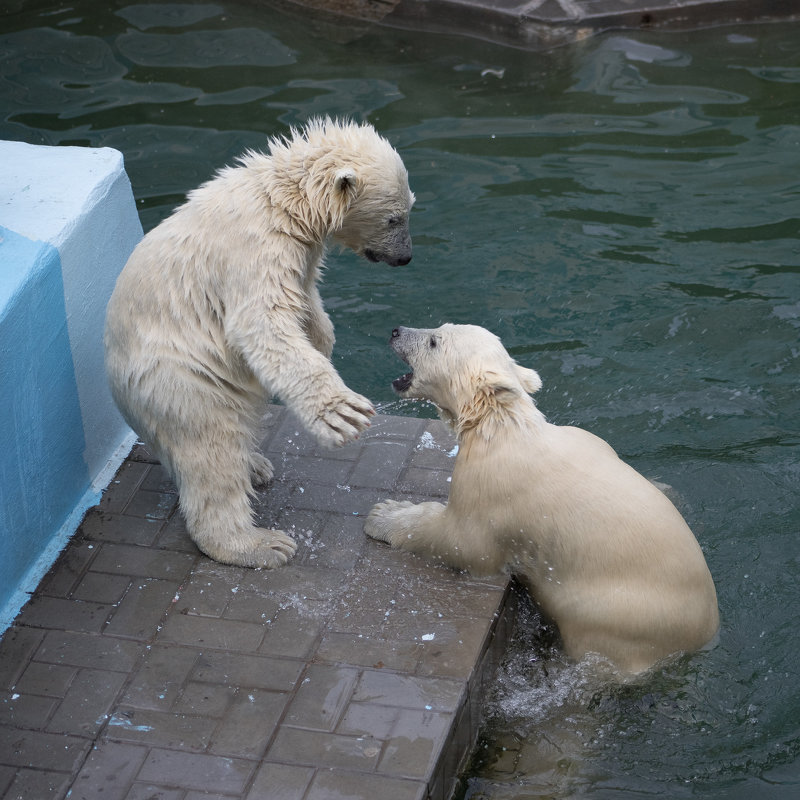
(218, 310)
(605, 553)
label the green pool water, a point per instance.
(624, 213)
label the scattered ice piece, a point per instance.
(427, 637)
(494, 71)
(15, 696)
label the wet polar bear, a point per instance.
(218, 310)
(603, 552)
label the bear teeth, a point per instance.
(403, 383)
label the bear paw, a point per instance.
(260, 547)
(341, 419)
(261, 471)
(381, 522)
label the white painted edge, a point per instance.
(91, 497)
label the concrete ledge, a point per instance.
(68, 223)
(536, 24)
(140, 667)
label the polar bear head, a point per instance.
(345, 181)
(462, 369)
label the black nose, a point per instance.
(402, 261)
(395, 333)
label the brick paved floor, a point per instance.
(141, 669)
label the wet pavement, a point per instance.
(142, 669)
(538, 24)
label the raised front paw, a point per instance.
(341, 419)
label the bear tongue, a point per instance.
(403, 383)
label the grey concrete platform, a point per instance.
(141, 669)
(538, 24)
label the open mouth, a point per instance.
(403, 383)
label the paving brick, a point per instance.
(158, 480)
(85, 650)
(281, 782)
(6, 776)
(291, 634)
(406, 691)
(159, 681)
(455, 648)
(161, 729)
(252, 607)
(327, 750)
(39, 784)
(50, 680)
(146, 562)
(68, 615)
(417, 738)
(106, 527)
(366, 719)
(354, 786)
(380, 463)
(175, 537)
(142, 608)
(385, 426)
(206, 699)
(248, 671)
(196, 771)
(313, 469)
(336, 544)
(123, 486)
(108, 772)
(99, 587)
(149, 791)
(210, 632)
(340, 498)
(322, 697)
(249, 724)
(25, 710)
(209, 589)
(86, 705)
(366, 651)
(151, 505)
(435, 448)
(17, 646)
(40, 750)
(141, 453)
(68, 569)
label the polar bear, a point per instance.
(218, 310)
(603, 552)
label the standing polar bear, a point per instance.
(218, 309)
(603, 552)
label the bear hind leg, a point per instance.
(215, 480)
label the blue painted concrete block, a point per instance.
(68, 223)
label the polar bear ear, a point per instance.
(529, 378)
(499, 385)
(345, 189)
(345, 182)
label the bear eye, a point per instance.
(394, 221)
(432, 342)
